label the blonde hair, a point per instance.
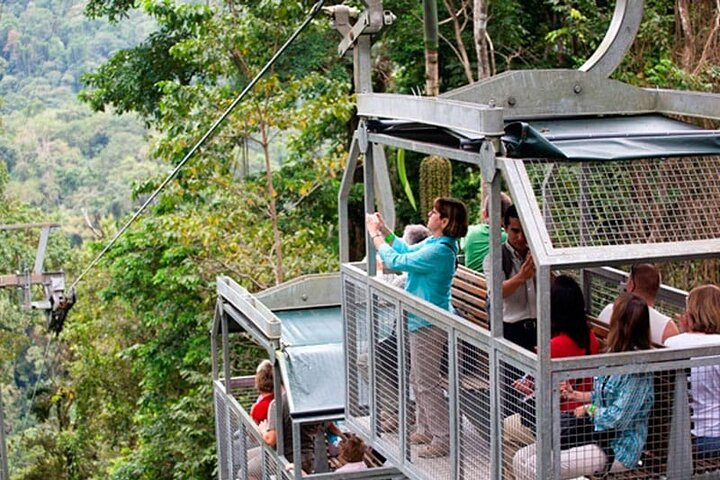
(703, 308)
(264, 377)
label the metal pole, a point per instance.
(453, 402)
(42, 246)
(369, 174)
(343, 198)
(543, 385)
(3, 448)
(496, 304)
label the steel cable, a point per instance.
(313, 13)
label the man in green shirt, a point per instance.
(476, 243)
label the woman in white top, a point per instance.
(701, 324)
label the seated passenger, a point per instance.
(476, 243)
(268, 430)
(518, 286)
(701, 324)
(644, 281)
(618, 408)
(570, 336)
(430, 265)
(352, 451)
(265, 387)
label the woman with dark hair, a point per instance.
(430, 266)
(618, 407)
(570, 334)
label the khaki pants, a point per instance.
(426, 358)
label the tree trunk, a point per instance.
(685, 22)
(460, 50)
(277, 246)
(482, 50)
(432, 76)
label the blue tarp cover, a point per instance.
(313, 326)
(316, 377)
(313, 352)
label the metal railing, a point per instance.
(491, 426)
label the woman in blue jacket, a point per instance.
(430, 266)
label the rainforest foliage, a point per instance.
(126, 393)
(62, 157)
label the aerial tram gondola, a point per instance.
(598, 170)
(56, 301)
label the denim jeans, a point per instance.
(707, 447)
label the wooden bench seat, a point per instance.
(469, 295)
(706, 465)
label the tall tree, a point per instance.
(432, 71)
(483, 50)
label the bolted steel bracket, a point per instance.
(362, 136)
(487, 161)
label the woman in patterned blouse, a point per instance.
(619, 405)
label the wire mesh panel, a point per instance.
(474, 410)
(427, 364)
(604, 290)
(239, 445)
(704, 387)
(516, 386)
(630, 202)
(387, 385)
(356, 352)
(221, 434)
(618, 424)
(270, 465)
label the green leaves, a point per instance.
(402, 174)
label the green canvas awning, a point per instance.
(613, 138)
(606, 138)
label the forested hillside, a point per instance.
(62, 157)
(129, 394)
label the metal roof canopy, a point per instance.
(631, 124)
